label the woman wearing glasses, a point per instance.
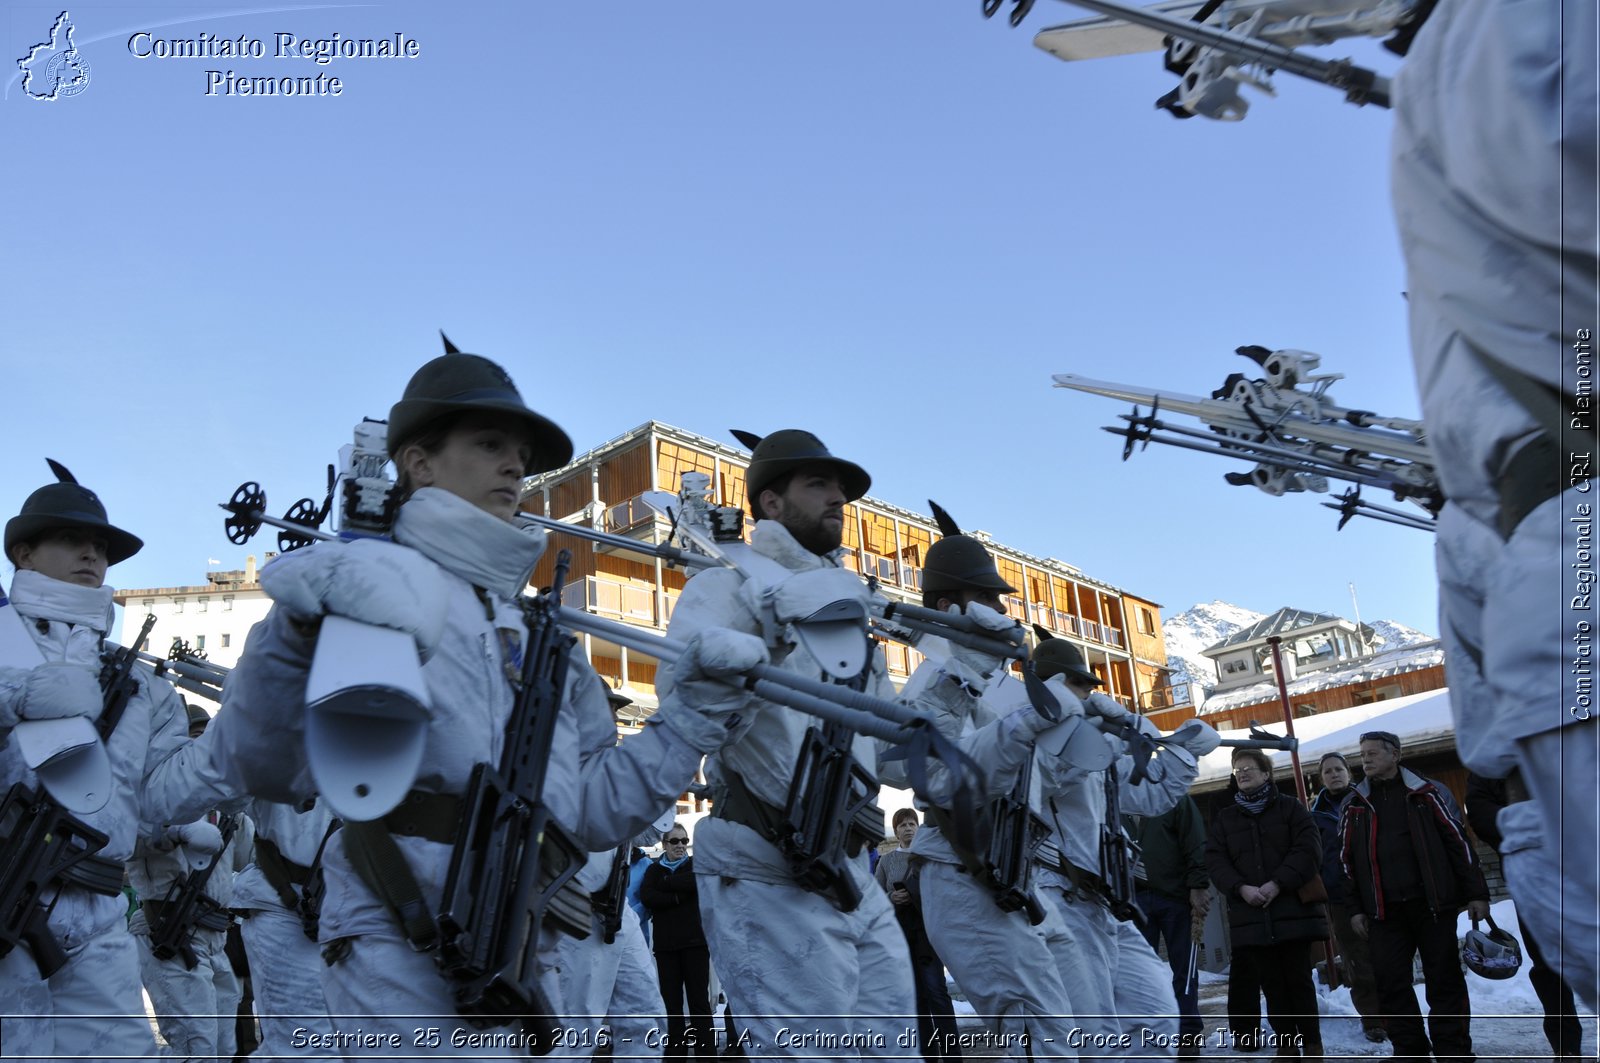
(683, 962)
(1263, 848)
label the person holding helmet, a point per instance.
(462, 440)
(1485, 800)
(1411, 869)
(783, 951)
(1118, 983)
(57, 619)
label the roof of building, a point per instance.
(1421, 721)
(1408, 658)
(1282, 622)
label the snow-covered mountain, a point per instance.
(1189, 632)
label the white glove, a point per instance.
(1196, 736)
(993, 624)
(701, 706)
(57, 689)
(1029, 724)
(1106, 707)
(200, 838)
(992, 620)
(368, 580)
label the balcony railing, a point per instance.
(604, 597)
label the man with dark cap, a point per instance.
(785, 952)
(55, 626)
(1411, 869)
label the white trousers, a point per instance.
(286, 977)
(805, 979)
(1009, 969)
(1120, 986)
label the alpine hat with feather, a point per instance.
(469, 383)
(790, 450)
(68, 504)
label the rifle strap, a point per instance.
(1534, 474)
(97, 874)
(380, 864)
(736, 803)
(282, 874)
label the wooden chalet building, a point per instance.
(1120, 633)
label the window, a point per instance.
(149, 605)
(177, 605)
(1147, 621)
(1304, 709)
(201, 604)
(200, 643)
(227, 640)
(227, 605)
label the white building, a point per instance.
(213, 618)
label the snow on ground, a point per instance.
(1507, 1022)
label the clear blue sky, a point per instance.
(888, 222)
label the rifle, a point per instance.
(1016, 834)
(41, 840)
(116, 679)
(186, 908)
(829, 815)
(1118, 854)
(513, 865)
(609, 900)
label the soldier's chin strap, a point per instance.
(960, 822)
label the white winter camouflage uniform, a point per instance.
(1121, 988)
(1010, 970)
(599, 790)
(787, 957)
(192, 1005)
(285, 964)
(154, 779)
(1494, 171)
(593, 976)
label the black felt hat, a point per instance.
(791, 449)
(69, 504)
(469, 383)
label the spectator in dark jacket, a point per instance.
(1174, 892)
(1411, 869)
(683, 963)
(898, 876)
(1485, 799)
(1262, 849)
(1334, 771)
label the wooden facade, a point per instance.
(1119, 633)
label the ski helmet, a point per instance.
(68, 504)
(789, 450)
(469, 383)
(1495, 954)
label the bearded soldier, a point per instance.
(794, 948)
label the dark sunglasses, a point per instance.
(677, 841)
